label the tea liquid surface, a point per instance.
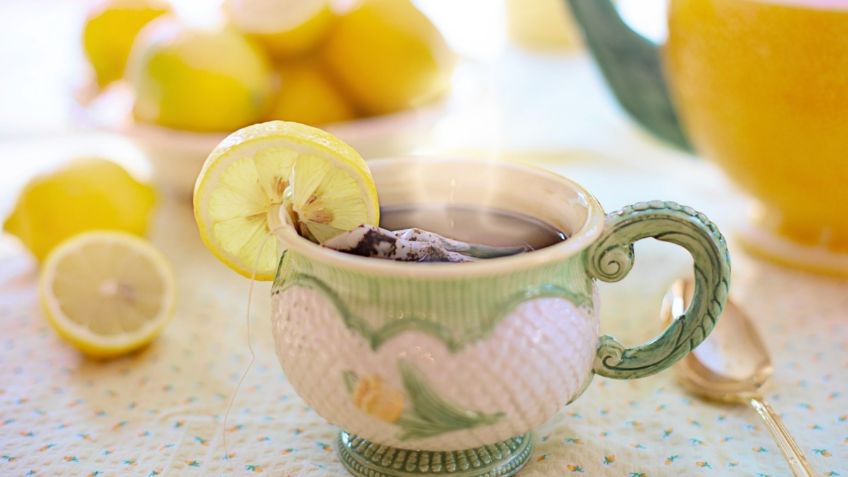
(480, 225)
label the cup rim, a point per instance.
(588, 232)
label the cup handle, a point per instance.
(610, 259)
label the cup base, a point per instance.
(363, 458)
(767, 244)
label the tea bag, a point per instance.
(413, 245)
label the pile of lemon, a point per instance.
(102, 286)
(295, 60)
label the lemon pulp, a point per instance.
(107, 293)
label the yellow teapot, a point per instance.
(761, 88)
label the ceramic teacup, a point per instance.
(445, 368)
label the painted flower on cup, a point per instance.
(373, 396)
(427, 415)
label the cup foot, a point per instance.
(768, 244)
(367, 459)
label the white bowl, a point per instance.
(177, 156)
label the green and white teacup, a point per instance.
(444, 369)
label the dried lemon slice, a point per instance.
(106, 292)
(323, 184)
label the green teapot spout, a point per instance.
(632, 67)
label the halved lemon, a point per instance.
(322, 184)
(106, 292)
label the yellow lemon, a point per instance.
(83, 195)
(107, 293)
(286, 28)
(307, 95)
(322, 183)
(199, 79)
(109, 32)
(388, 56)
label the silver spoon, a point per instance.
(730, 366)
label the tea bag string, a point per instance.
(249, 339)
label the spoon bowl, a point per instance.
(732, 363)
(730, 366)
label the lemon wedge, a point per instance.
(322, 184)
(106, 292)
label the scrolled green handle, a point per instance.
(611, 257)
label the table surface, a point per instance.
(161, 411)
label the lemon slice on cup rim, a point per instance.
(107, 292)
(322, 185)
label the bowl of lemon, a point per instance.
(376, 74)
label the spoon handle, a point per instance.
(794, 456)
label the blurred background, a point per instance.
(43, 47)
(522, 81)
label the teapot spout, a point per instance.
(632, 67)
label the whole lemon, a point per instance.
(388, 56)
(109, 31)
(307, 95)
(198, 79)
(287, 28)
(83, 195)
